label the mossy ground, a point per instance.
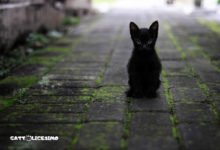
(38, 57)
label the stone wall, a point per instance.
(17, 19)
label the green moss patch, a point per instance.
(212, 25)
(69, 20)
(8, 101)
(45, 57)
(22, 81)
(174, 41)
(110, 93)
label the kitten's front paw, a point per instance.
(151, 95)
(134, 94)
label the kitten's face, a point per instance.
(144, 39)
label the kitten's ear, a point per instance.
(154, 29)
(134, 29)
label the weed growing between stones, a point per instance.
(169, 99)
(73, 142)
(75, 139)
(200, 51)
(126, 130)
(205, 89)
(174, 41)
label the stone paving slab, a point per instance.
(194, 113)
(48, 108)
(188, 95)
(101, 111)
(55, 99)
(194, 134)
(154, 143)
(43, 118)
(107, 136)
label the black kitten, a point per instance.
(144, 66)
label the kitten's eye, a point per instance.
(149, 42)
(137, 41)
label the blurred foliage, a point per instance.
(16, 56)
(69, 20)
(37, 40)
(218, 1)
(12, 59)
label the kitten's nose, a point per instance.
(144, 46)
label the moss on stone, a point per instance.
(8, 101)
(167, 93)
(175, 133)
(38, 57)
(174, 41)
(57, 49)
(169, 98)
(99, 80)
(22, 81)
(78, 126)
(85, 98)
(123, 144)
(46, 61)
(200, 84)
(200, 52)
(109, 93)
(212, 25)
(86, 91)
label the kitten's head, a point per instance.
(144, 39)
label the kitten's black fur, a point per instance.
(144, 66)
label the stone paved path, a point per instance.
(81, 99)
